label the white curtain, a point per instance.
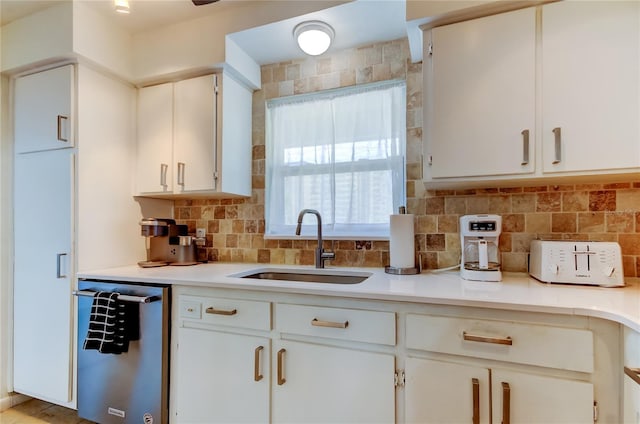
(340, 152)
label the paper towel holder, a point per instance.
(401, 271)
(405, 271)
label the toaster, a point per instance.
(594, 263)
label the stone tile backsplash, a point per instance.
(235, 227)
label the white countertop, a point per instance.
(515, 291)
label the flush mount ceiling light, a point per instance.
(122, 6)
(313, 37)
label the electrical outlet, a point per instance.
(201, 232)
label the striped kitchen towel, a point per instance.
(109, 331)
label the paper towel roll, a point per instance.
(401, 241)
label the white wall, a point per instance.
(37, 38)
(98, 40)
(5, 263)
(199, 44)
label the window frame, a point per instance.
(364, 231)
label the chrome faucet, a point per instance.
(321, 255)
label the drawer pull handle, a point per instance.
(507, 341)
(212, 310)
(181, 166)
(256, 364)
(634, 373)
(317, 323)
(59, 265)
(281, 379)
(557, 142)
(525, 147)
(163, 175)
(506, 403)
(476, 400)
(60, 136)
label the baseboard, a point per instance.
(12, 400)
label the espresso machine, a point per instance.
(479, 237)
(167, 243)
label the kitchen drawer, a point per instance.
(533, 344)
(229, 312)
(337, 323)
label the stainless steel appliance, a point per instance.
(479, 235)
(132, 386)
(595, 263)
(167, 243)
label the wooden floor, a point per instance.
(38, 412)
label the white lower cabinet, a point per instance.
(289, 358)
(317, 383)
(222, 377)
(446, 392)
(497, 371)
(230, 365)
(631, 345)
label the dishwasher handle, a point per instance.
(121, 297)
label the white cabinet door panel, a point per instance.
(443, 392)
(591, 85)
(631, 401)
(330, 384)
(43, 110)
(154, 169)
(195, 134)
(42, 274)
(216, 378)
(540, 399)
(483, 96)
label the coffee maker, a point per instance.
(167, 243)
(479, 236)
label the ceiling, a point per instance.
(356, 23)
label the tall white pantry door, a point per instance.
(42, 274)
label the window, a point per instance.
(340, 152)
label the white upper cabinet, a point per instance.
(590, 86)
(43, 110)
(155, 139)
(185, 129)
(195, 102)
(545, 92)
(483, 96)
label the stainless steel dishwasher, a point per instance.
(132, 386)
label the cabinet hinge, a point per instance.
(430, 162)
(430, 49)
(399, 378)
(595, 412)
(215, 84)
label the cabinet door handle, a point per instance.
(508, 341)
(506, 403)
(281, 379)
(59, 265)
(634, 373)
(256, 364)
(557, 145)
(163, 174)
(60, 119)
(475, 384)
(525, 147)
(181, 173)
(214, 311)
(317, 323)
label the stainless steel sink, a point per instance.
(306, 276)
